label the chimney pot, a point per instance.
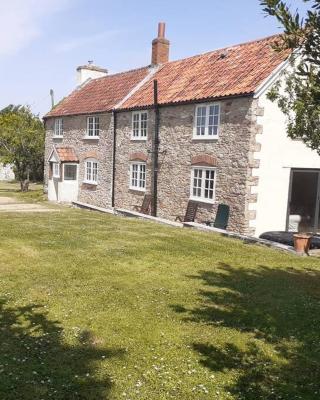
(160, 46)
(161, 30)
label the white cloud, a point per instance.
(20, 21)
(79, 42)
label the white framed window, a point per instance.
(91, 172)
(56, 170)
(58, 127)
(203, 184)
(70, 172)
(93, 127)
(139, 125)
(138, 176)
(207, 121)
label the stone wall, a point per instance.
(74, 132)
(232, 154)
(232, 151)
(125, 151)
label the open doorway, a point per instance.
(303, 208)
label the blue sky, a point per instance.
(43, 41)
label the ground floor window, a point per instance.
(56, 170)
(138, 176)
(91, 172)
(203, 184)
(70, 172)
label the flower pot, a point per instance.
(302, 242)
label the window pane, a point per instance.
(201, 120)
(88, 174)
(135, 125)
(56, 170)
(197, 181)
(214, 111)
(58, 127)
(142, 182)
(140, 124)
(96, 126)
(70, 172)
(203, 183)
(209, 184)
(94, 172)
(144, 124)
(138, 176)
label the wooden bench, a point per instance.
(190, 214)
(145, 207)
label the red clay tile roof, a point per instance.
(237, 70)
(67, 154)
(99, 95)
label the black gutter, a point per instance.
(114, 114)
(186, 102)
(155, 151)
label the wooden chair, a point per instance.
(222, 217)
(190, 214)
(145, 207)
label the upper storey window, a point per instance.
(93, 127)
(207, 121)
(58, 127)
(139, 125)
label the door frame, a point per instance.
(317, 210)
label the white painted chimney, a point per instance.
(90, 71)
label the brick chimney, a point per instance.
(160, 46)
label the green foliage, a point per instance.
(22, 142)
(299, 95)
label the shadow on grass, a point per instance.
(35, 363)
(278, 312)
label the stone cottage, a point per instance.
(199, 129)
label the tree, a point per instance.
(21, 142)
(297, 92)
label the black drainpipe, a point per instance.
(114, 114)
(155, 151)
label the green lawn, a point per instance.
(12, 189)
(101, 307)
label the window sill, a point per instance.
(90, 183)
(91, 137)
(205, 138)
(138, 139)
(199, 200)
(57, 137)
(134, 189)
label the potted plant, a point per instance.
(302, 242)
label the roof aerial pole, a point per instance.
(52, 97)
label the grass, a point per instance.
(101, 307)
(12, 189)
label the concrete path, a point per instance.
(10, 204)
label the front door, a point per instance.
(68, 190)
(303, 210)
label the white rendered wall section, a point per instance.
(278, 156)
